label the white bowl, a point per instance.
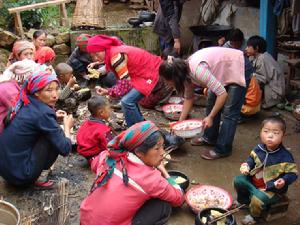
(175, 100)
(148, 24)
(172, 111)
(188, 128)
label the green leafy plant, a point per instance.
(35, 18)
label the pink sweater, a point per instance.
(226, 64)
(116, 204)
(9, 91)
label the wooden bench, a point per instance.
(277, 210)
(18, 10)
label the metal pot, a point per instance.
(147, 16)
(230, 220)
(134, 21)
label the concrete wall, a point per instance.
(245, 18)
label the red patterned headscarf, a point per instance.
(82, 41)
(101, 43)
(36, 82)
(44, 54)
(118, 148)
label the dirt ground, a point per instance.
(219, 173)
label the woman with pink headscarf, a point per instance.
(33, 139)
(22, 49)
(128, 62)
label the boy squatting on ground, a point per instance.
(68, 84)
(267, 172)
(94, 134)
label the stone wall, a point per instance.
(140, 37)
(59, 42)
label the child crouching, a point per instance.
(94, 134)
(267, 172)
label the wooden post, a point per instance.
(20, 26)
(64, 14)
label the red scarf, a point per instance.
(101, 43)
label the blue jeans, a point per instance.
(223, 136)
(130, 107)
(165, 45)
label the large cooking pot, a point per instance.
(211, 30)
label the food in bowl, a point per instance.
(172, 111)
(188, 128)
(206, 196)
(179, 180)
(207, 216)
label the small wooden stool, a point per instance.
(277, 210)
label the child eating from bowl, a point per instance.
(65, 76)
(94, 134)
(267, 172)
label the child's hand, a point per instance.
(72, 81)
(92, 65)
(68, 122)
(60, 114)
(279, 183)
(245, 169)
(76, 87)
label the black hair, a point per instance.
(169, 52)
(176, 71)
(38, 33)
(236, 35)
(63, 68)
(150, 142)
(95, 103)
(258, 43)
(275, 119)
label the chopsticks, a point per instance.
(168, 151)
(228, 213)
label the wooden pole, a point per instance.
(20, 26)
(36, 6)
(64, 15)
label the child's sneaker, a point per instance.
(248, 220)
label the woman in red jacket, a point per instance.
(128, 62)
(132, 187)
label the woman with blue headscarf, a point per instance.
(132, 187)
(33, 139)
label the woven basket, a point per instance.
(88, 13)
